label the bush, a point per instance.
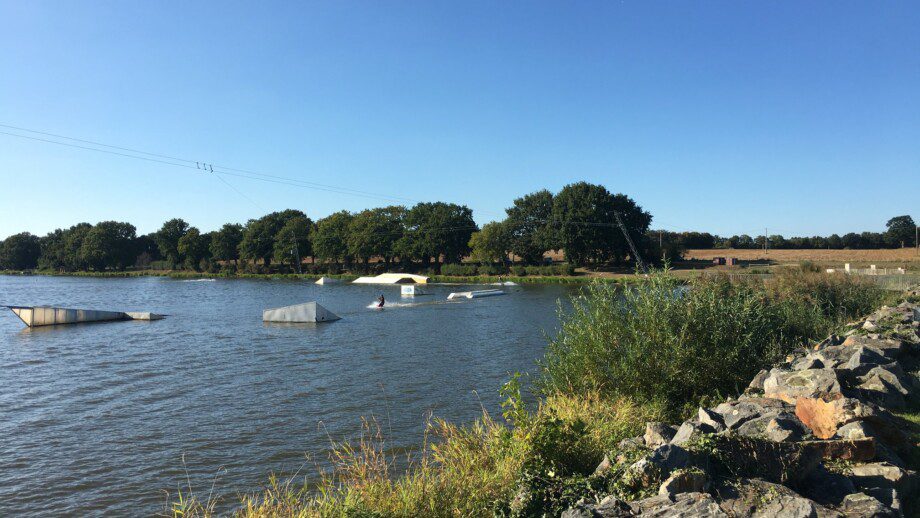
(159, 265)
(459, 270)
(490, 269)
(519, 271)
(659, 341)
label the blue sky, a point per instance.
(719, 116)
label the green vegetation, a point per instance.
(656, 341)
(623, 357)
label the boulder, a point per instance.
(760, 498)
(886, 385)
(684, 481)
(826, 487)
(736, 413)
(864, 358)
(657, 434)
(859, 450)
(860, 505)
(778, 427)
(779, 462)
(790, 385)
(642, 474)
(854, 430)
(756, 384)
(889, 347)
(806, 363)
(824, 414)
(687, 431)
(711, 419)
(670, 457)
(882, 475)
(834, 356)
(681, 505)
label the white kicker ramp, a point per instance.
(306, 312)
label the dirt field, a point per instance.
(906, 257)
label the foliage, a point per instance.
(292, 242)
(225, 243)
(109, 244)
(528, 226)
(20, 252)
(436, 230)
(584, 223)
(167, 239)
(490, 244)
(901, 231)
(330, 237)
(375, 232)
(193, 248)
(657, 341)
(259, 235)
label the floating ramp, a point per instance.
(326, 280)
(35, 316)
(475, 294)
(306, 312)
(392, 278)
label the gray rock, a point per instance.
(826, 487)
(604, 466)
(679, 506)
(888, 496)
(790, 385)
(670, 457)
(785, 428)
(864, 358)
(736, 413)
(890, 348)
(756, 384)
(711, 419)
(684, 481)
(882, 475)
(643, 473)
(657, 434)
(759, 498)
(808, 362)
(687, 431)
(855, 430)
(631, 443)
(886, 385)
(860, 505)
(611, 507)
(834, 356)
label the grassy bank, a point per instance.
(624, 356)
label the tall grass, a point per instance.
(658, 341)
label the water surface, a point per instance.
(96, 418)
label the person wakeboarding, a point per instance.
(381, 301)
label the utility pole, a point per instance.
(629, 241)
(766, 241)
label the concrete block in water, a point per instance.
(306, 312)
(35, 316)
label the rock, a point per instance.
(670, 457)
(827, 412)
(890, 348)
(685, 433)
(779, 462)
(759, 498)
(604, 466)
(682, 505)
(869, 325)
(736, 413)
(859, 505)
(882, 475)
(886, 385)
(834, 356)
(756, 384)
(806, 363)
(609, 507)
(855, 430)
(826, 487)
(711, 419)
(790, 385)
(859, 450)
(657, 434)
(781, 429)
(684, 481)
(864, 358)
(642, 474)
(887, 496)
(577, 511)
(631, 443)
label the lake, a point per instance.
(97, 418)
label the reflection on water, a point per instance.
(97, 417)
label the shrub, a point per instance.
(460, 270)
(519, 271)
(490, 269)
(658, 341)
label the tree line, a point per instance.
(579, 220)
(901, 232)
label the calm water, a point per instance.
(96, 418)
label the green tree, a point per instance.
(225, 244)
(292, 242)
(330, 237)
(436, 230)
(109, 244)
(901, 231)
(193, 247)
(259, 235)
(585, 225)
(167, 239)
(490, 244)
(528, 226)
(20, 252)
(375, 232)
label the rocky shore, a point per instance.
(816, 436)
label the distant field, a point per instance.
(854, 257)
